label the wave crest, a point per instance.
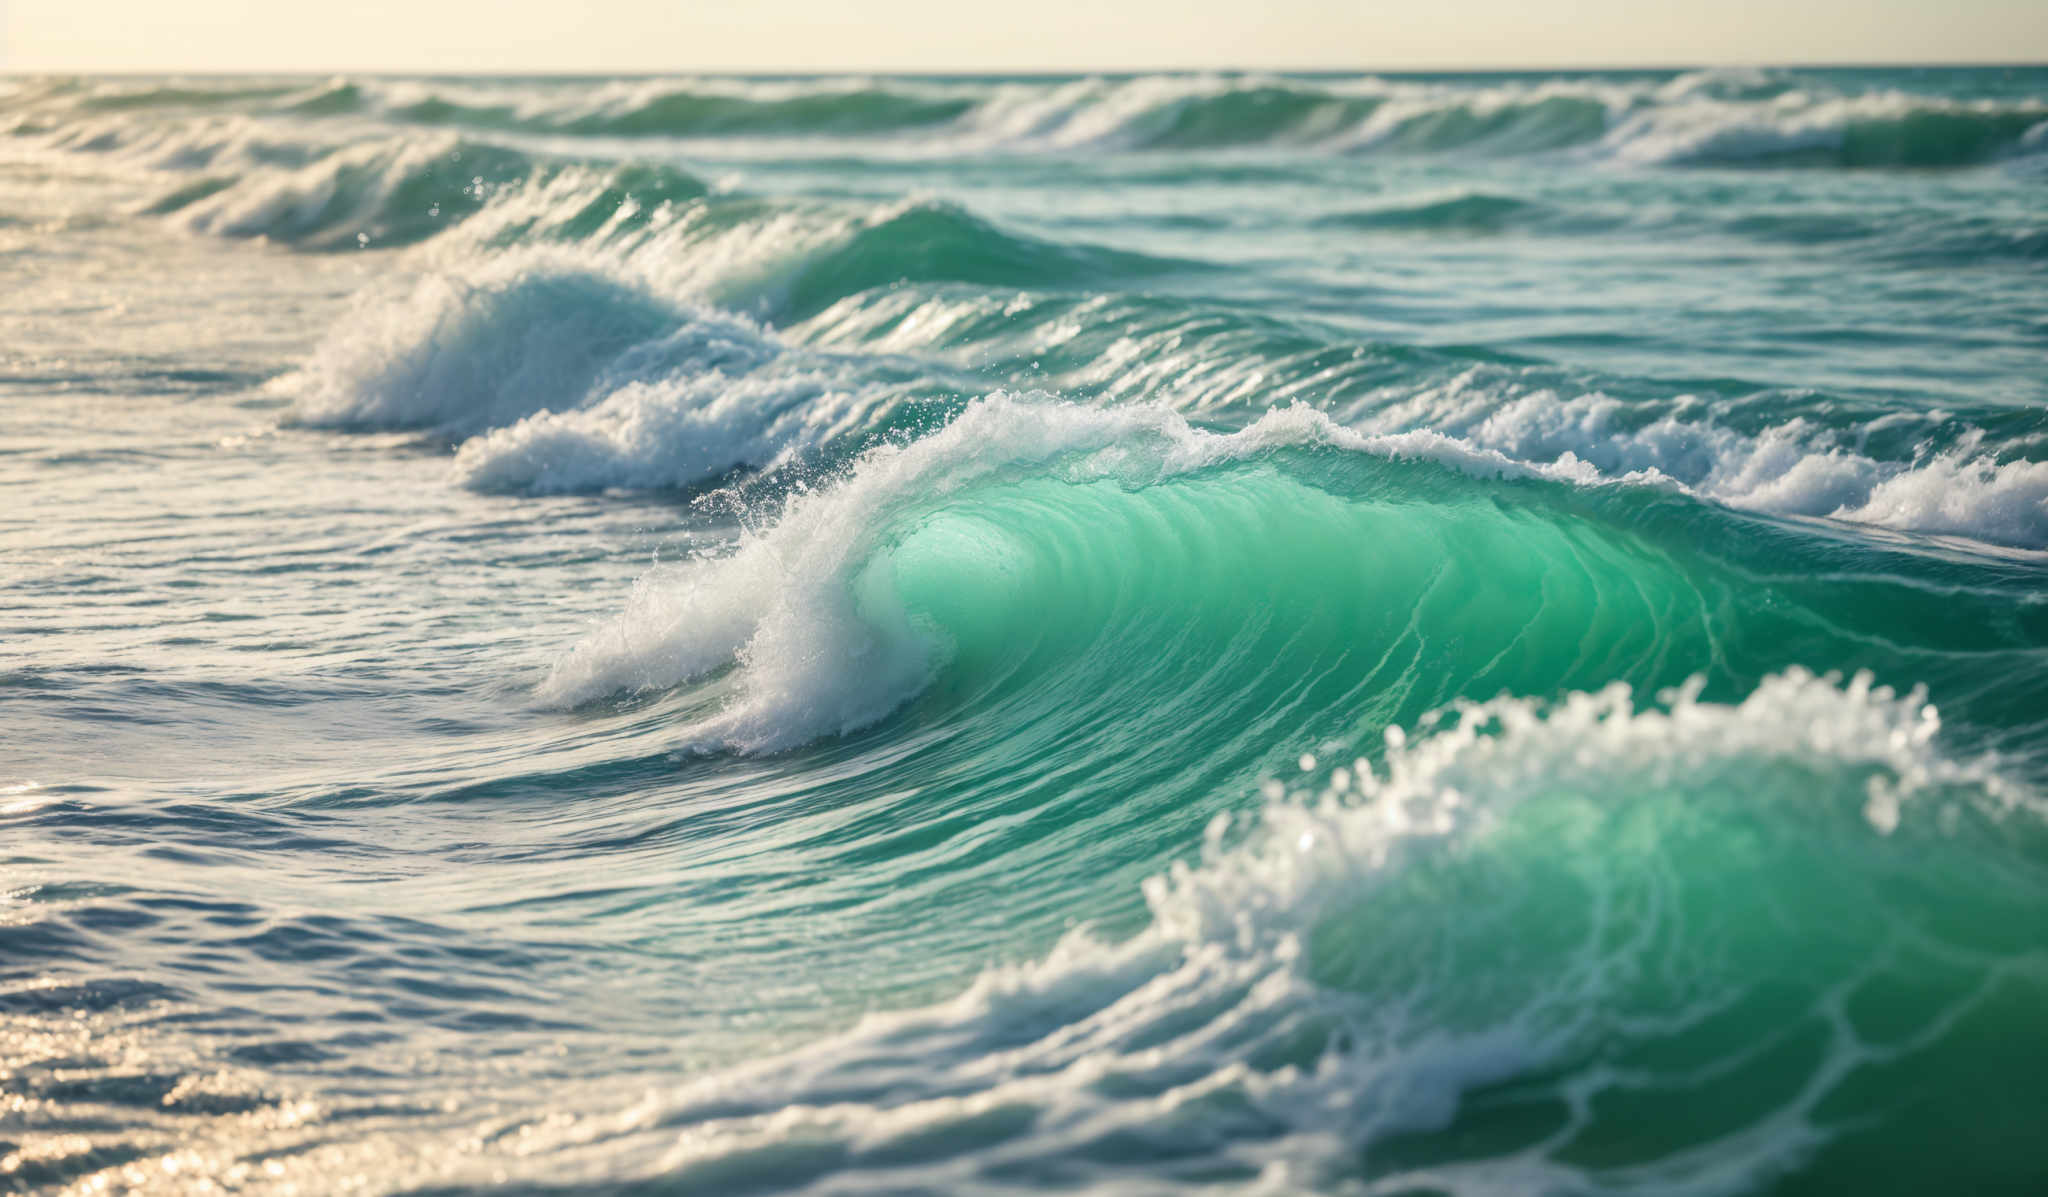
(383, 193)
(461, 354)
(1861, 131)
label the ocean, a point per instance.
(1357, 634)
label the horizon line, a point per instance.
(1033, 72)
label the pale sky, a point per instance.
(964, 35)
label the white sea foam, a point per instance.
(1794, 468)
(1964, 494)
(565, 371)
(673, 431)
(463, 352)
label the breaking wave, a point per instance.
(1508, 951)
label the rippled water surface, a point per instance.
(1429, 634)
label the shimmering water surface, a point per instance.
(1431, 634)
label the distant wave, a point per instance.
(1871, 130)
(118, 98)
(685, 113)
(397, 192)
(1758, 118)
(1191, 113)
(928, 241)
(383, 193)
(1472, 212)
